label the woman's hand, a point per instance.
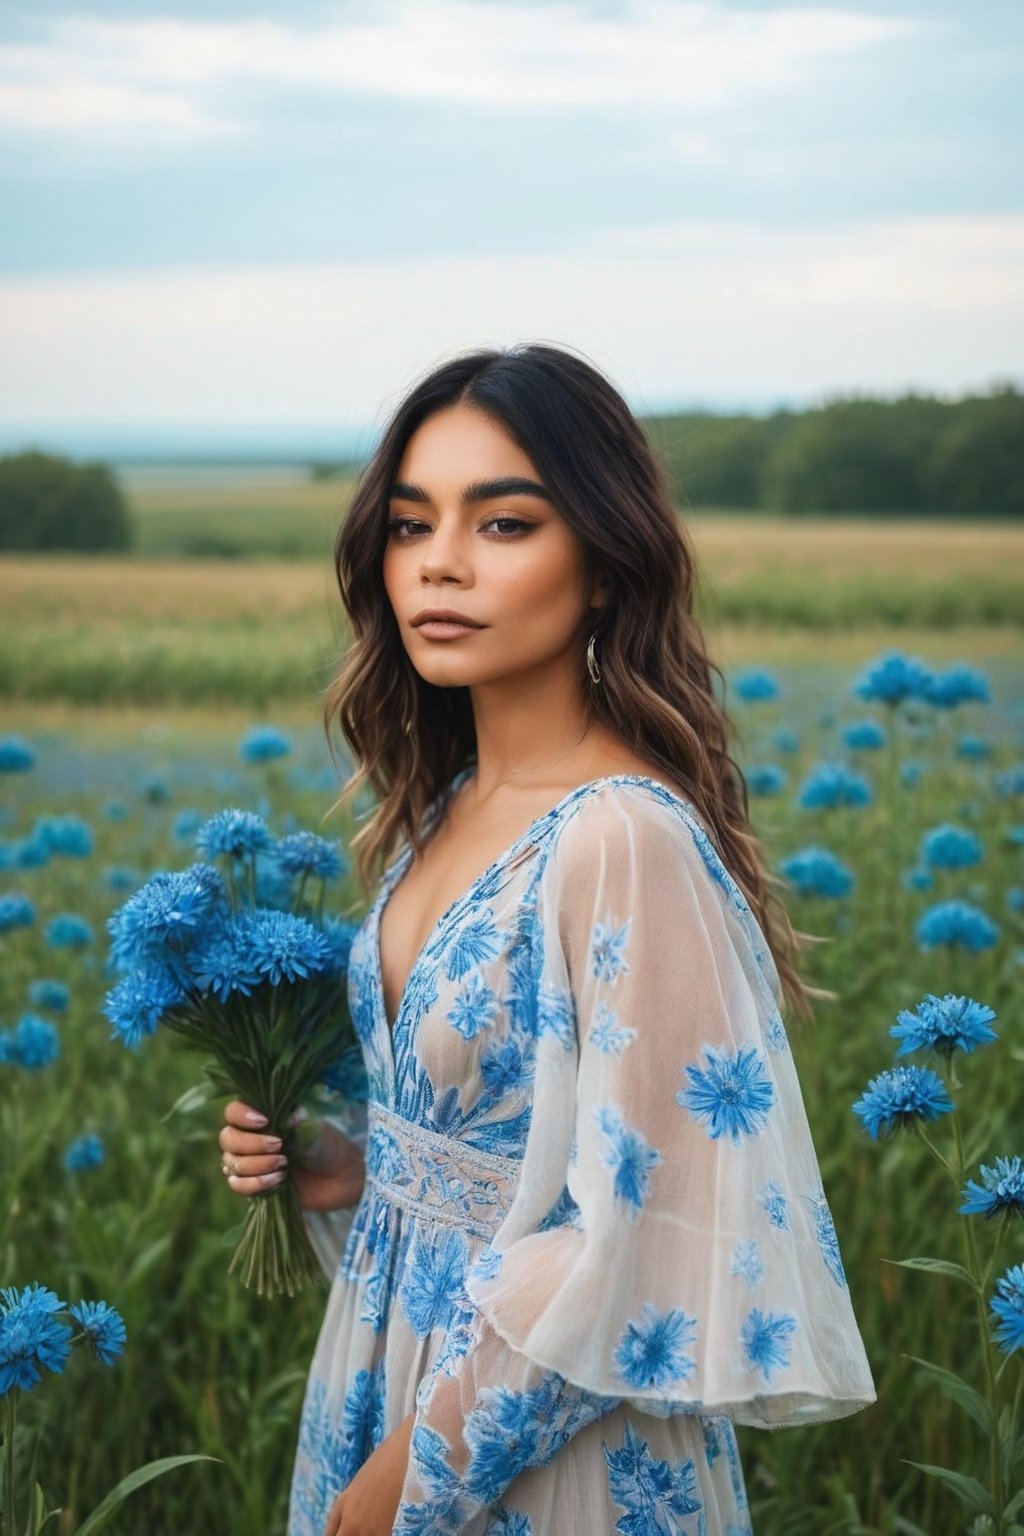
(368, 1506)
(327, 1171)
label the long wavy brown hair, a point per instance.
(409, 738)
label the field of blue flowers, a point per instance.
(889, 798)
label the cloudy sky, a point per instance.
(218, 216)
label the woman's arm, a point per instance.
(368, 1505)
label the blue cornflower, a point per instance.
(115, 810)
(1010, 782)
(262, 744)
(956, 922)
(156, 790)
(785, 740)
(891, 678)
(31, 1336)
(1008, 1309)
(283, 947)
(944, 1025)
(222, 962)
(652, 1349)
(339, 934)
(303, 853)
(1015, 898)
(238, 834)
(1015, 836)
(833, 784)
(347, 1077)
(766, 1340)
(33, 852)
(732, 1094)
(949, 847)
(974, 747)
(68, 931)
(103, 1326)
(765, 778)
(84, 1153)
(139, 1001)
(960, 684)
(918, 879)
(49, 994)
(273, 884)
(910, 775)
(67, 835)
(121, 877)
(169, 912)
(16, 756)
(864, 736)
(817, 872)
(901, 1096)
(33, 1043)
(16, 911)
(755, 685)
(186, 825)
(1001, 1189)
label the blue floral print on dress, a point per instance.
(630, 1156)
(555, 1255)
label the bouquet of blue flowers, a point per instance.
(237, 958)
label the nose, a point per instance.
(445, 555)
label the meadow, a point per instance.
(134, 682)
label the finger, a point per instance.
(240, 1185)
(253, 1167)
(243, 1115)
(246, 1143)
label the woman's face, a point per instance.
(499, 555)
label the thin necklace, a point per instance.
(535, 768)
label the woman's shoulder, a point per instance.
(636, 817)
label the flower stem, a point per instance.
(10, 1422)
(985, 1338)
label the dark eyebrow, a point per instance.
(478, 490)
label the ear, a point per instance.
(598, 592)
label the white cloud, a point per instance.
(691, 55)
(709, 310)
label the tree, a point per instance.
(50, 503)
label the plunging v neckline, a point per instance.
(401, 864)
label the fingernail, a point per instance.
(254, 1117)
(282, 1161)
(271, 1143)
(268, 1180)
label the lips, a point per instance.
(444, 616)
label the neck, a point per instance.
(525, 724)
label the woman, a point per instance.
(592, 1233)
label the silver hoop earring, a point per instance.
(592, 666)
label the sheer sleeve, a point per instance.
(688, 1263)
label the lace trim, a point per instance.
(437, 1178)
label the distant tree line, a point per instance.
(47, 502)
(917, 454)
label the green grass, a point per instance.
(257, 630)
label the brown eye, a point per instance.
(514, 524)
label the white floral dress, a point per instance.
(593, 1233)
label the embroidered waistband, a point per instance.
(437, 1177)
